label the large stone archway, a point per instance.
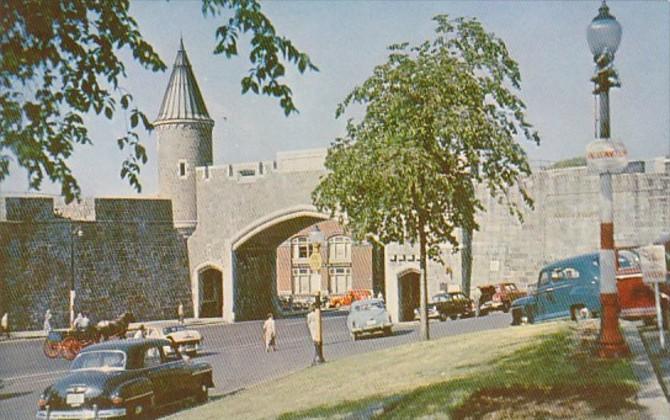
(408, 293)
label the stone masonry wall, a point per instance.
(129, 258)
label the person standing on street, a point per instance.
(141, 332)
(180, 313)
(4, 324)
(47, 322)
(476, 297)
(270, 333)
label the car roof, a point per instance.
(361, 302)
(127, 345)
(579, 259)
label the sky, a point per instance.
(347, 39)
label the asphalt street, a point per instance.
(236, 352)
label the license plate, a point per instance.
(74, 399)
(372, 322)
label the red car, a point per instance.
(351, 296)
(636, 299)
(499, 296)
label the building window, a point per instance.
(230, 170)
(339, 249)
(247, 172)
(340, 279)
(182, 168)
(301, 248)
(302, 284)
(260, 168)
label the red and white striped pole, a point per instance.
(604, 35)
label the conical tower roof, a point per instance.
(182, 100)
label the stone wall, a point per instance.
(129, 257)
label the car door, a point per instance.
(157, 373)
(544, 295)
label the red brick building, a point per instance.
(346, 264)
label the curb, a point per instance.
(650, 394)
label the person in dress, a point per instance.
(4, 324)
(270, 333)
(180, 313)
(47, 322)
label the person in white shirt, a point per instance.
(270, 333)
(141, 332)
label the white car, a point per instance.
(187, 341)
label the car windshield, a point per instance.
(175, 328)
(108, 359)
(510, 287)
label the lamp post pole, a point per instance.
(316, 238)
(604, 35)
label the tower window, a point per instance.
(182, 168)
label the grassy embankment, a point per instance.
(534, 371)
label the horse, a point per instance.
(116, 327)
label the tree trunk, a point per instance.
(466, 261)
(423, 283)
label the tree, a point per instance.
(440, 118)
(59, 61)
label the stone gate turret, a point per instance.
(184, 131)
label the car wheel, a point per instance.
(142, 410)
(51, 349)
(517, 314)
(506, 307)
(388, 332)
(530, 317)
(580, 313)
(202, 395)
(453, 317)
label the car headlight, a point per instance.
(43, 401)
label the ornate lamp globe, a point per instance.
(604, 33)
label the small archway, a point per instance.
(408, 293)
(211, 293)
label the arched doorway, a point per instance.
(408, 294)
(211, 298)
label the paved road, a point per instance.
(235, 351)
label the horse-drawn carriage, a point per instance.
(67, 343)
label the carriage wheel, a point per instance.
(51, 348)
(70, 348)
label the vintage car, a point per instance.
(124, 378)
(336, 300)
(449, 305)
(499, 296)
(368, 316)
(186, 340)
(570, 288)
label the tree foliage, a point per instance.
(59, 62)
(440, 118)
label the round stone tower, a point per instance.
(184, 131)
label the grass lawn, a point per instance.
(536, 371)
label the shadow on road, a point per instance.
(10, 395)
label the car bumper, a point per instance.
(372, 328)
(634, 314)
(185, 348)
(110, 413)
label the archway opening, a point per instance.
(408, 294)
(211, 295)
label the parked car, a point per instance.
(570, 288)
(368, 316)
(124, 378)
(188, 341)
(449, 305)
(499, 296)
(346, 299)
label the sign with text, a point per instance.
(606, 156)
(652, 262)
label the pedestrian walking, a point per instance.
(476, 297)
(47, 322)
(78, 321)
(270, 333)
(4, 324)
(180, 313)
(141, 332)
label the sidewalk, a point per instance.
(652, 368)
(39, 334)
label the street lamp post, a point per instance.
(74, 234)
(606, 157)
(316, 238)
